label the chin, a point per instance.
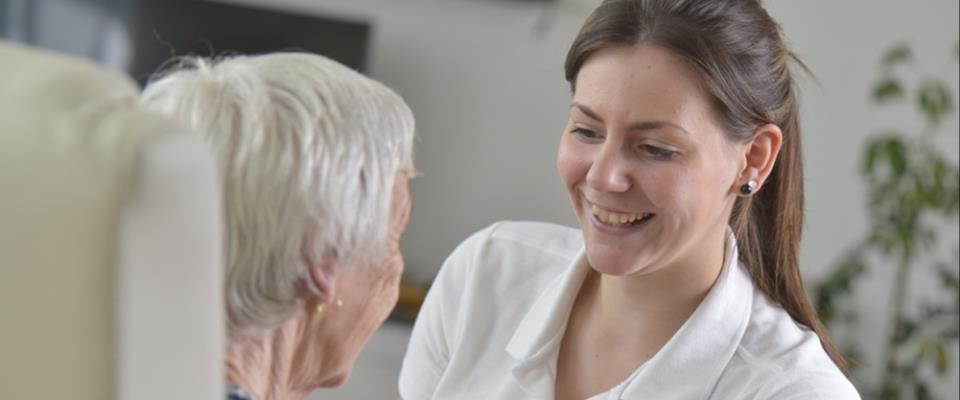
(606, 263)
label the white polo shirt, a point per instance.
(491, 326)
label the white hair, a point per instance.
(308, 151)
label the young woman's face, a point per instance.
(646, 162)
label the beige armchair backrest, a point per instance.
(110, 240)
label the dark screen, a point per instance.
(162, 29)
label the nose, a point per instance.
(609, 170)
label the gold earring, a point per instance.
(320, 306)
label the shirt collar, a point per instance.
(535, 343)
(689, 364)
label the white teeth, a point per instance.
(613, 218)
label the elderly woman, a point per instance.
(682, 161)
(314, 161)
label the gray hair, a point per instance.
(308, 151)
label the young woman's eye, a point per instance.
(585, 134)
(659, 153)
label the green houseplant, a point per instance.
(913, 197)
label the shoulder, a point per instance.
(531, 236)
(500, 270)
(780, 359)
(539, 238)
(808, 384)
(507, 246)
(510, 257)
(483, 290)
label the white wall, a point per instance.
(491, 102)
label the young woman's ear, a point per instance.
(759, 158)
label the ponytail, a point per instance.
(768, 227)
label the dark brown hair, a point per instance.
(739, 52)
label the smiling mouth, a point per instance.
(619, 219)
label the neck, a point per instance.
(655, 304)
(264, 366)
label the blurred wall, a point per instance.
(488, 91)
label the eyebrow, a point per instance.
(639, 126)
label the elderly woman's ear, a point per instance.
(323, 277)
(401, 206)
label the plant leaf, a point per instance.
(897, 155)
(942, 360)
(870, 156)
(837, 284)
(934, 100)
(922, 349)
(886, 90)
(897, 55)
(890, 391)
(921, 392)
(903, 330)
(948, 277)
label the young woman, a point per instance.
(682, 160)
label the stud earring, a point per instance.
(320, 307)
(748, 188)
